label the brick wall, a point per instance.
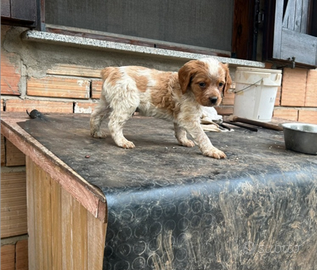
(298, 98)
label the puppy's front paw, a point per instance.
(215, 153)
(127, 144)
(187, 143)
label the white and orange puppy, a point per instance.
(169, 95)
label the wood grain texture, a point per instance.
(13, 203)
(88, 195)
(14, 157)
(8, 257)
(64, 234)
(22, 255)
(3, 151)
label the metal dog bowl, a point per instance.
(301, 137)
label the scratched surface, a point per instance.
(171, 208)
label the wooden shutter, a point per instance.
(290, 31)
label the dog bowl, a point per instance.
(300, 137)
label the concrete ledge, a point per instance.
(67, 40)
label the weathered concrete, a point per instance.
(40, 51)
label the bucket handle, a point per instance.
(261, 80)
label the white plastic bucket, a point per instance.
(255, 93)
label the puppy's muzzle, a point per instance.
(213, 100)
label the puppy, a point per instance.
(169, 95)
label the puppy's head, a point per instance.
(206, 78)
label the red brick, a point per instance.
(308, 116)
(19, 105)
(74, 70)
(311, 89)
(294, 87)
(10, 77)
(59, 87)
(96, 86)
(286, 113)
(228, 98)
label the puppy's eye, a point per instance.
(202, 84)
(221, 84)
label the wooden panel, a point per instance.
(74, 70)
(59, 87)
(31, 201)
(290, 38)
(301, 46)
(22, 255)
(294, 19)
(64, 235)
(8, 257)
(3, 151)
(57, 221)
(18, 105)
(13, 202)
(243, 29)
(89, 196)
(14, 157)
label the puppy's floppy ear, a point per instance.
(228, 78)
(185, 74)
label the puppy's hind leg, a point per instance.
(101, 111)
(117, 119)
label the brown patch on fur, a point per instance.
(141, 83)
(140, 80)
(164, 90)
(186, 73)
(112, 74)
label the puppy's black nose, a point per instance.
(213, 100)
